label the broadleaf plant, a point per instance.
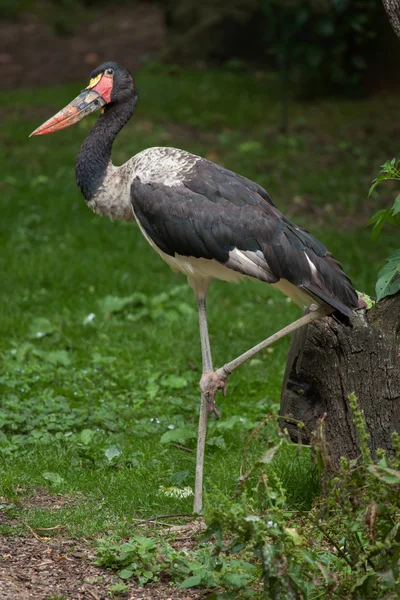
(388, 282)
(389, 277)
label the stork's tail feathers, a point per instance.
(331, 285)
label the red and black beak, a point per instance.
(95, 96)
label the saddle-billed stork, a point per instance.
(203, 220)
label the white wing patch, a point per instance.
(311, 264)
(250, 263)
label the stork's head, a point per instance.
(110, 86)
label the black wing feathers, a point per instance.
(216, 211)
(214, 183)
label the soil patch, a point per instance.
(31, 54)
(38, 569)
(41, 499)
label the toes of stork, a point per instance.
(210, 383)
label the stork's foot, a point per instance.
(210, 383)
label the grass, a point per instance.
(85, 403)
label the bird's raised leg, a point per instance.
(314, 313)
(209, 384)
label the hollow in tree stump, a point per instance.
(327, 361)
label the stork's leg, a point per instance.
(211, 381)
(207, 404)
(314, 314)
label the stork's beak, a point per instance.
(95, 96)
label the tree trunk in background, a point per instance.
(392, 8)
(327, 361)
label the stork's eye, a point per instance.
(109, 71)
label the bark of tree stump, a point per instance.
(327, 361)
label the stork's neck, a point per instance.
(95, 153)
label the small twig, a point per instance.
(51, 528)
(160, 523)
(33, 532)
(156, 517)
(180, 447)
(334, 544)
(92, 594)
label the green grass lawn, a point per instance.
(86, 402)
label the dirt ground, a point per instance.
(36, 567)
(32, 54)
(39, 569)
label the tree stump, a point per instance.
(327, 361)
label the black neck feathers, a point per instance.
(95, 153)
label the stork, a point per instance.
(203, 220)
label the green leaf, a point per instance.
(218, 441)
(396, 206)
(373, 186)
(388, 166)
(57, 357)
(54, 357)
(174, 382)
(98, 359)
(86, 436)
(235, 421)
(39, 180)
(389, 170)
(180, 435)
(236, 580)
(190, 582)
(390, 476)
(185, 309)
(54, 478)
(268, 457)
(144, 542)
(179, 477)
(250, 146)
(112, 452)
(40, 328)
(393, 535)
(376, 217)
(365, 583)
(115, 304)
(294, 535)
(119, 588)
(125, 573)
(389, 277)
(379, 223)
